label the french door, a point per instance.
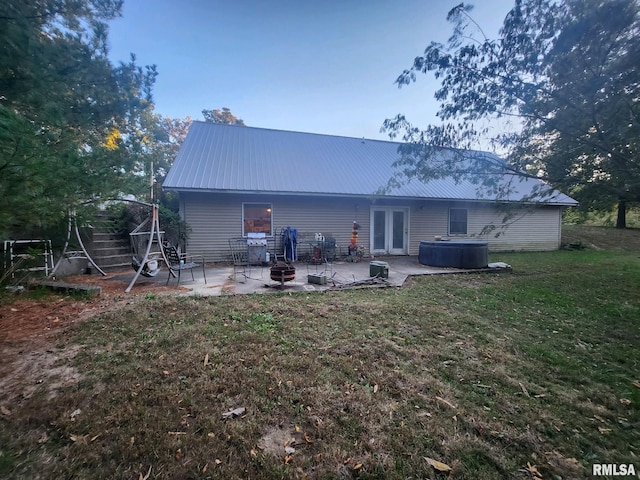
(389, 230)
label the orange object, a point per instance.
(354, 238)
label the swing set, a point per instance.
(147, 264)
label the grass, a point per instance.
(497, 376)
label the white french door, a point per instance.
(389, 230)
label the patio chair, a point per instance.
(240, 256)
(321, 255)
(182, 261)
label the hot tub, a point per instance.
(454, 253)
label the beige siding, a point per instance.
(527, 229)
(214, 218)
(426, 221)
(329, 216)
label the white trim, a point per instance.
(269, 207)
(389, 210)
(466, 225)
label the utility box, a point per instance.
(379, 269)
(318, 278)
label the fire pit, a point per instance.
(283, 272)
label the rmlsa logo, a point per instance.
(613, 469)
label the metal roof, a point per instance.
(231, 158)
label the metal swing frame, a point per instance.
(154, 230)
(72, 225)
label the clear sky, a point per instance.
(323, 66)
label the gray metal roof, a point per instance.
(230, 158)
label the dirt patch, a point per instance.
(26, 318)
(37, 369)
(29, 327)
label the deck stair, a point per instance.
(110, 245)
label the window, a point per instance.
(256, 218)
(457, 221)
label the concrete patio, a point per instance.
(340, 275)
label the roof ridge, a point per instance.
(298, 132)
(328, 135)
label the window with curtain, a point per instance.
(256, 218)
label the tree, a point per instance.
(222, 116)
(564, 74)
(64, 110)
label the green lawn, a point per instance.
(496, 376)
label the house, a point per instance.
(235, 180)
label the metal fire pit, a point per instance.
(283, 272)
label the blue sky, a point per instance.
(313, 66)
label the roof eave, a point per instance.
(369, 196)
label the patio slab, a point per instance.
(220, 278)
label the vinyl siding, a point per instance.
(528, 229)
(215, 217)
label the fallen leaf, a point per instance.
(5, 411)
(165, 372)
(236, 412)
(298, 428)
(77, 438)
(287, 459)
(636, 384)
(218, 461)
(604, 431)
(132, 440)
(375, 388)
(524, 389)
(441, 467)
(307, 439)
(533, 470)
(625, 401)
(289, 450)
(206, 360)
(357, 466)
(178, 454)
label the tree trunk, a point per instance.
(622, 214)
